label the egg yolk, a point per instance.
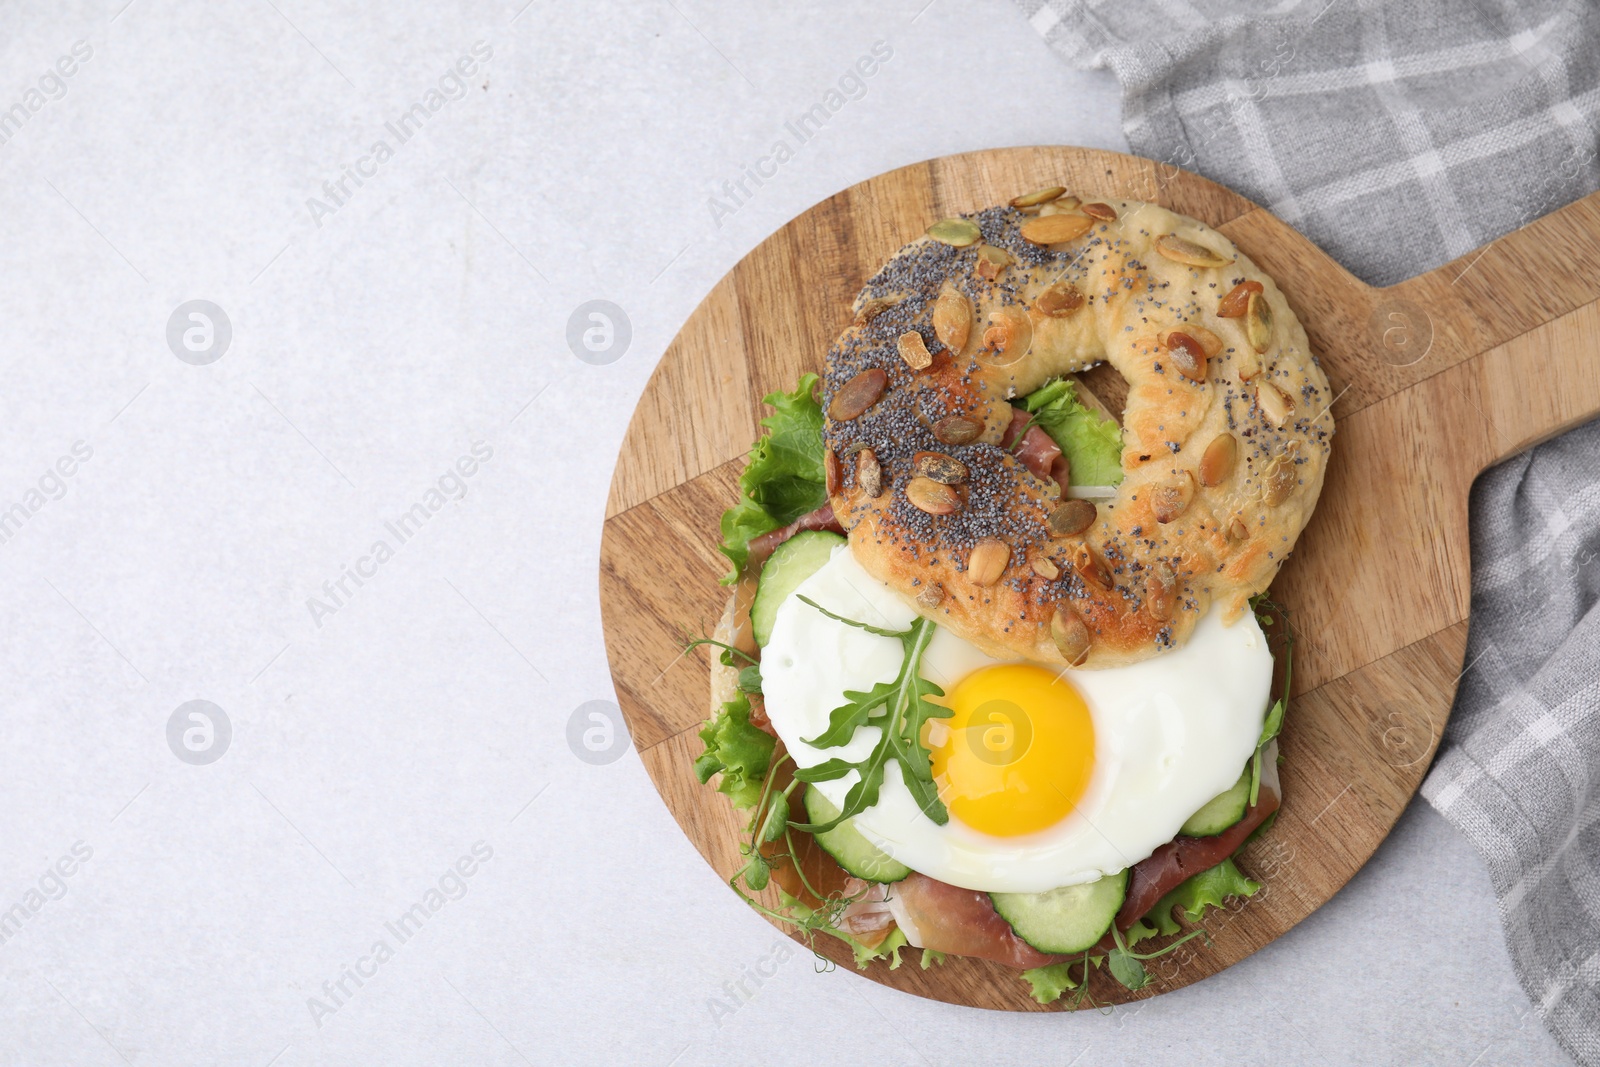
(1016, 755)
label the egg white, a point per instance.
(1171, 733)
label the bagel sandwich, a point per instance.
(993, 677)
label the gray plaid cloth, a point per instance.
(1399, 136)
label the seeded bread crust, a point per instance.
(957, 324)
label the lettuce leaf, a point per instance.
(736, 750)
(1092, 444)
(1208, 889)
(784, 478)
(1049, 982)
(889, 947)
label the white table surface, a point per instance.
(374, 743)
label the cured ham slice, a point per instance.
(1038, 450)
(1183, 857)
(763, 546)
(963, 922)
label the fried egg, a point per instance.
(1051, 776)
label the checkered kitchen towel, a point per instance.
(1398, 136)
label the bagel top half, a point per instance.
(1226, 431)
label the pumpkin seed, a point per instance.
(1059, 300)
(1232, 306)
(958, 233)
(1280, 480)
(1053, 229)
(1168, 502)
(1038, 196)
(1189, 253)
(875, 307)
(1187, 355)
(869, 475)
(957, 430)
(1258, 322)
(1070, 634)
(1274, 405)
(914, 350)
(1071, 517)
(1091, 567)
(987, 561)
(940, 467)
(1160, 594)
(857, 395)
(1216, 463)
(952, 319)
(990, 262)
(933, 497)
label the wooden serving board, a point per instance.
(1437, 378)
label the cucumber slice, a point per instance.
(1221, 811)
(1069, 919)
(790, 564)
(847, 845)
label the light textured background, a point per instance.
(372, 751)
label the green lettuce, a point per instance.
(1092, 444)
(736, 750)
(890, 946)
(784, 478)
(809, 919)
(1208, 889)
(1049, 982)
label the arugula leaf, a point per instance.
(1049, 982)
(880, 631)
(1092, 444)
(900, 709)
(1208, 889)
(736, 750)
(784, 478)
(844, 719)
